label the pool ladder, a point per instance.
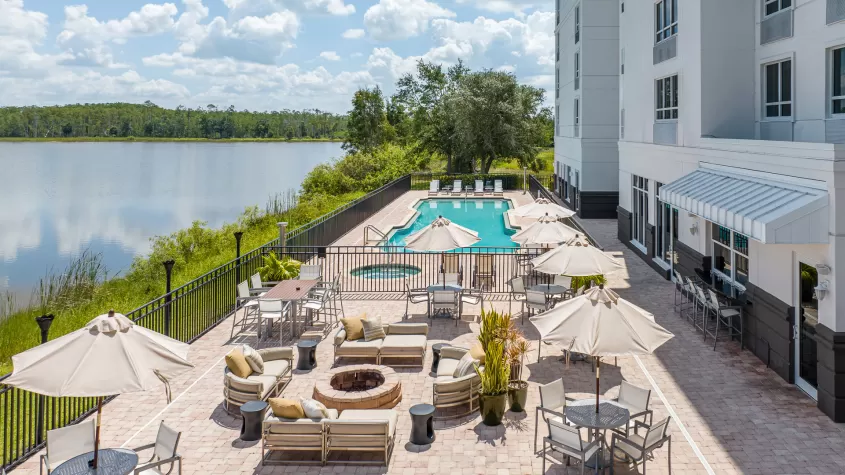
(370, 228)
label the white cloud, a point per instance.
(402, 19)
(330, 56)
(353, 34)
(151, 19)
(505, 6)
(507, 68)
(96, 57)
(332, 7)
(17, 22)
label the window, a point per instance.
(667, 98)
(557, 12)
(639, 216)
(730, 260)
(577, 109)
(622, 60)
(778, 89)
(557, 120)
(837, 87)
(622, 124)
(577, 70)
(577, 24)
(557, 46)
(665, 229)
(623, 7)
(566, 171)
(665, 19)
(557, 83)
(770, 7)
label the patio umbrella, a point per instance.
(576, 258)
(441, 235)
(110, 355)
(542, 207)
(547, 230)
(601, 324)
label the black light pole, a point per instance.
(44, 322)
(168, 268)
(238, 236)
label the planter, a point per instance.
(517, 395)
(492, 408)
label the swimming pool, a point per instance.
(485, 216)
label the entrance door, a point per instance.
(806, 318)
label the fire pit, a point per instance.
(360, 387)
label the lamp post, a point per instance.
(44, 322)
(168, 269)
(238, 236)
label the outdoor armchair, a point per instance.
(66, 443)
(639, 447)
(278, 363)
(635, 400)
(566, 440)
(552, 404)
(449, 391)
(164, 453)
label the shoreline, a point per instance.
(166, 139)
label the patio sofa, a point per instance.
(354, 430)
(402, 340)
(451, 391)
(278, 363)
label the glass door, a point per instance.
(806, 318)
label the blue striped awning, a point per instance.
(765, 209)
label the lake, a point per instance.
(58, 199)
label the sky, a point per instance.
(257, 54)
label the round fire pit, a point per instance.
(359, 387)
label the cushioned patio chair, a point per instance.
(66, 443)
(283, 435)
(278, 363)
(164, 453)
(361, 430)
(451, 391)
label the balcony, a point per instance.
(666, 133)
(835, 11)
(665, 50)
(776, 27)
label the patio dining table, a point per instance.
(109, 462)
(292, 291)
(611, 415)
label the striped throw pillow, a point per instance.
(373, 330)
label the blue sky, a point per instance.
(257, 54)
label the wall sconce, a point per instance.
(823, 269)
(694, 228)
(821, 289)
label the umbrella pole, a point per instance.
(598, 370)
(97, 434)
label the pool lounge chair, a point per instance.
(434, 188)
(456, 188)
(479, 188)
(451, 264)
(484, 274)
(497, 188)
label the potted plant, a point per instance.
(517, 387)
(493, 395)
(275, 269)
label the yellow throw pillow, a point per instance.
(354, 328)
(477, 353)
(237, 364)
(286, 408)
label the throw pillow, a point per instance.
(314, 409)
(373, 330)
(254, 359)
(477, 352)
(286, 408)
(237, 364)
(466, 366)
(354, 328)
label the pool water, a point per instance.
(386, 271)
(484, 216)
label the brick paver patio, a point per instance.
(730, 414)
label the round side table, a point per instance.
(435, 349)
(253, 416)
(307, 355)
(422, 424)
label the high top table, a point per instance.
(291, 291)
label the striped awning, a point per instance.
(759, 206)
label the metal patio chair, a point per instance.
(536, 301)
(552, 404)
(164, 453)
(310, 272)
(484, 273)
(517, 293)
(445, 300)
(640, 447)
(451, 264)
(416, 296)
(258, 286)
(725, 315)
(249, 304)
(635, 399)
(566, 440)
(66, 443)
(273, 310)
(471, 297)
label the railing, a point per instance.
(372, 229)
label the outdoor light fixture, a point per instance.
(694, 228)
(821, 289)
(823, 269)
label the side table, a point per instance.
(435, 349)
(253, 417)
(422, 424)
(307, 355)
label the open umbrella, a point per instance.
(547, 230)
(110, 355)
(576, 258)
(440, 236)
(542, 207)
(601, 324)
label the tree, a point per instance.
(367, 127)
(497, 118)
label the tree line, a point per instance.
(150, 120)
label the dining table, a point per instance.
(292, 291)
(610, 415)
(109, 462)
(549, 289)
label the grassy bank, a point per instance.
(162, 139)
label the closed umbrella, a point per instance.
(601, 324)
(440, 236)
(540, 208)
(110, 355)
(547, 230)
(576, 258)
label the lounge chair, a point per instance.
(237, 391)
(457, 188)
(484, 274)
(497, 188)
(451, 264)
(434, 188)
(402, 340)
(293, 436)
(66, 443)
(479, 188)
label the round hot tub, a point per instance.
(359, 387)
(385, 271)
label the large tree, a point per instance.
(367, 126)
(498, 118)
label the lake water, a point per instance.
(58, 199)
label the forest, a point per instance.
(148, 120)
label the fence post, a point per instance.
(168, 269)
(238, 236)
(283, 226)
(524, 180)
(44, 322)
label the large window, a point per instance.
(577, 110)
(622, 124)
(622, 61)
(777, 89)
(577, 70)
(665, 19)
(666, 95)
(666, 219)
(557, 120)
(577, 24)
(730, 260)
(557, 83)
(770, 7)
(837, 85)
(557, 46)
(639, 215)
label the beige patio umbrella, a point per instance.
(601, 324)
(576, 258)
(440, 236)
(547, 230)
(110, 355)
(542, 207)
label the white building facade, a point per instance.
(731, 153)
